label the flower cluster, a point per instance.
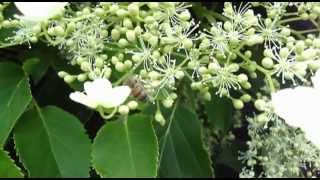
(162, 45)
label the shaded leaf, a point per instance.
(7, 167)
(182, 150)
(15, 96)
(52, 143)
(126, 148)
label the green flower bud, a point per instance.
(36, 29)
(69, 79)
(82, 77)
(207, 96)
(267, 62)
(260, 104)
(128, 64)
(59, 31)
(187, 43)
(121, 13)
(62, 74)
(71, 27)
(185, 15)
(99, 62)
(153, 41)
(284, 52)
(127, 23)
(85, 66)
(237, 104)
(123, 42)
(133, 9)
(234, 67)
(242, 78)
(131, 35)
(132, 105)
(246, 98)
(99, 12)
(120, 67)
(168, 102)
(115, 34)
(33, 39)
(123, 110)
(179, 74)
(159, 118)
(246, 85)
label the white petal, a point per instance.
(98, 90)
(117, 96)
(313, 134)
(299, 107)
(83, 99)
(40, 10)
(316, 80)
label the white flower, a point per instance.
(37, 11)
(300, 107)
(100, 93)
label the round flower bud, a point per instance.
(120, 67)
(127, 23)
(242, 78)
(207, 96)
(114, 60)
(262, 118)
(149, 20)
(59, 31)
(121, 13)
(185, 15)
(69, 79)
(267, 62)
(153, 75)
(213, 67)
(153, 41)
(136, 58)
(33, 39)
(36, 29)
(123, 42)
(300, 45)
(227, 26)
(179, 74)
(82, 77)
(99, 12)
(131, 35)
(133, 9)
(284, 52)
(268, 53)
(51, 31)
(123, 109)
(71, 27)
(153, 5)
(187, 43)
(248, 53)
(237, 104)
(285, 31)
(85, 66)
(159, 118)
(132, 105)
(98, 62)
(203, 70)
(246, 98)
(168, 102)
(246, 85)
(128, 64)
(62, 74)
(260, 104)
(308, 54)
(115, 34)
(234, 67)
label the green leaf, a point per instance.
(15, 96)
(7, 167)
(219, 111)
(182, 151)
(126, 148)
(36, 68)
(52, 143)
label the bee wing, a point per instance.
(299, 107)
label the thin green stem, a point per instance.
(261, 69)
(290, 20)
(167, 131)
(106, 117)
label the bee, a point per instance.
(137, 88)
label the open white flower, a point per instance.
(99, 93)
(38, 11)
(300, 107)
